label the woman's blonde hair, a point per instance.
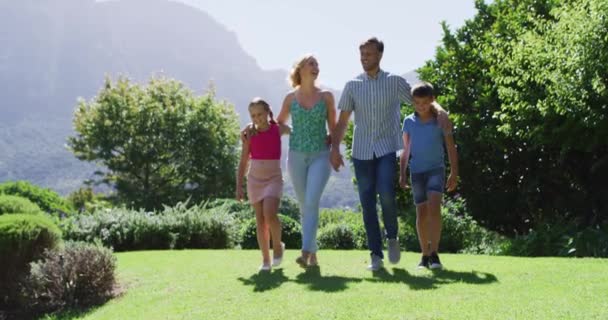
(294, 76)
(257, 101)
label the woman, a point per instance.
(313, 115)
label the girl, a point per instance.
(313, 115)
(264, 180)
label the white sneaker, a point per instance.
(265, 267)
(434, 261)
(376, 263)
(394, 252)
(277, 261)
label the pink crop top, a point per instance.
(266, 145)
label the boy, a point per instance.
(424, 140)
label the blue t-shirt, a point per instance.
(426, 144)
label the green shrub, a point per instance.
(289, 207)
(49, 201)
(78, 275)
(408, 238)
(341, 236)
(335, 216)
(290, 233)
(242, 210)
(23, 239)
(85, 200)
(560, 238)
(460, 232)
(16, 204)
(341, 229)
(173, 228)
(230, 205)
(589, 242)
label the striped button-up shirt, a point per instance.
(376, 104)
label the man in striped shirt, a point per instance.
(375, 97)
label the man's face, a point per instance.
(370, 57)
(422, 105)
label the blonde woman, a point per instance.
(313, 116)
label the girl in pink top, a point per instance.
(262, 152)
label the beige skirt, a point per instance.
(264, 180)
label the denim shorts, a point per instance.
(423, 182)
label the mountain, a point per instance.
(61, 50)
(412, 78)
(53, 52)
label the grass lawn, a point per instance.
(225, 284)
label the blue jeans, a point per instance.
(377, 176)
(309, 173)
(427, 181)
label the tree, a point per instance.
(525, 82)
(159, 143)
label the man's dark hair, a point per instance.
(422, 90)
(379, 44)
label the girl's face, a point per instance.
(259, 115)
(310, 69)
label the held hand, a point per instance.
(452, 182)
(336, 160)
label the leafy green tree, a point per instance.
(525, 82)
(160, 144)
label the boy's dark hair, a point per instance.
(423, 90)
(379, 44)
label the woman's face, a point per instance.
(259, 115)
(310, 69)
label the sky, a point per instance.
(277, 32)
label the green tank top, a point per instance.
(308, 130)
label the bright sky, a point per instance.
(277, 32)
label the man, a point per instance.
(375, 97)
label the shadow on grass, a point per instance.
(263, 281)
(313, 279)
(71, 314)
(434, 280)
(61, 315)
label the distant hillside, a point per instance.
(53, 52)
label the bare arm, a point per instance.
(453, 157)
(339, 130)
(284, 113)
(336, 138)
(442, 116)
(240, 174)
(284, 129)
(331, 110)
(404, 159)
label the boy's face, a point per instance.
(423, 105)
(259, 115)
